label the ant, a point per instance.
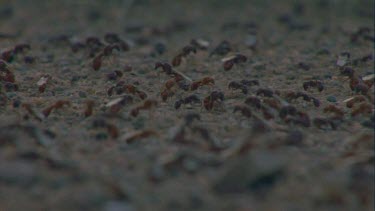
(287, 110)
(299, 118)
(59, 104)
(317, 84)
(253, 101)
(209, 101)
(363, 108)
(236, 85)
(339, 113)
(148, 104)
(222, 49)
(204, 81)
(353, 100)
(245, 111)
(356, 82)
(21, 48)
(230, 61)
(265, 92)
(190, 99)
(114, 75)
(185, 52)
(89, 108)
(305, 97)
(249, 82)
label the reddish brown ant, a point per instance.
(204, 81)
(89, 108)
(353, 100)
(335, 110)
(230, 61)
(59, 104)
(97, 62)
(148, 104)
(363, 108)
(5, 74)
(185, 52)
(317, 84)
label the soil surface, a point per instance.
(187, 105)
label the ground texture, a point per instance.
(187, 105)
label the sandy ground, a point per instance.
(286, 146)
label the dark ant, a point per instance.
(112, 38)
(114, 75)
(363, 108)
(249, 82)
(148, 104)
(339, 113)
(303, 66)
(21, 48)
(245, 111)
(264, 92)
(77, 46)
(222, 49)
(287, 110)
(209, 101)
(10, 87)
(188, 100)
(236, 85)
(253, 101)
(317, 84)
(305, 97)
(204, 81)
(230, 61)
(59, 104)
(299, 118)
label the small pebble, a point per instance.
(331, 99)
